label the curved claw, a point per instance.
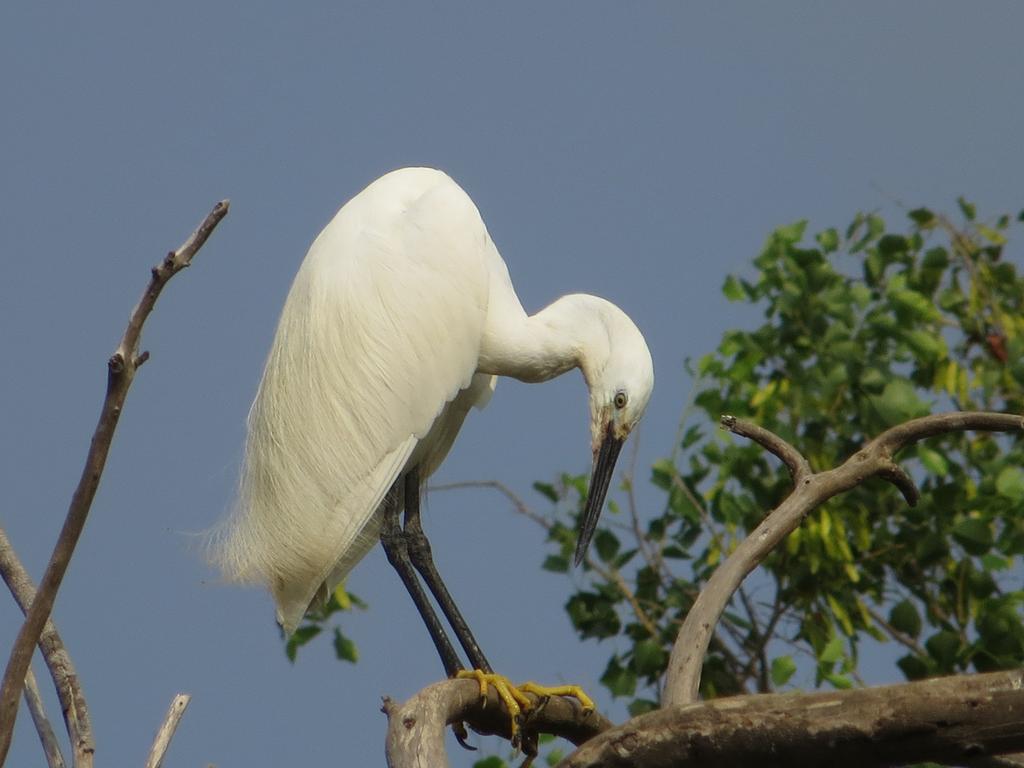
(514, 699)
(461, 734)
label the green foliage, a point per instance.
(863, 330)
(321, 618)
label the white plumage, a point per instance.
(397, 322)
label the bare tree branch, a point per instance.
(166, 731)
(62, 671)
(34, 702)
(790, 456)
(954, 720)
(876, 458)
(416, 728)
(121, 370)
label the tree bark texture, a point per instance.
(953, 720)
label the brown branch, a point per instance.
(790, 456)
(166, 731)
(121, 370)
(876, 458)
(51, 646)
(954, 720)
(416, 728)
(34, 702)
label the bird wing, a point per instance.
(380, 332)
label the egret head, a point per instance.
(620, 375)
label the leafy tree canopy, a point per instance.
(863, 329)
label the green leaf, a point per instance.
(783, 668)
(554, 757)
(967, 209)
(933, 461)
(1010, 483)
(547, 490)
(649, 657)
(992, 235)
(832, 652)
(791, 233)
(921, 216)
(944, 647)
(890, 245)
(490, 762)
(593, 615)
(899, 402)
(300, 637)
(842, 682)
(733, 290)
(913, 667)
(607, 545)
(344, 648)
(828, 240)
(974, 535)
(619, 680)
(905, 618)
(556, 564)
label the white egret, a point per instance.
(399, 321)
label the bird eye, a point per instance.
(621, 399)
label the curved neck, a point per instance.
(566, 334)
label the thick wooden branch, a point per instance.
(58, 662)
(121, 370)
(954, 721)
(416, 728)
(682, 681)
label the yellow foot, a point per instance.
(546, 691)
(515, 697)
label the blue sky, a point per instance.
(635, 151)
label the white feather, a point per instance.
(380, 332)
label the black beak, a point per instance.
(604, 466)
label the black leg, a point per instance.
(395, 543)
(422, 559)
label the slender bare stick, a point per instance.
(167, 729)
(121, 370)
(62, 671)
(682, 682)
(34, 701)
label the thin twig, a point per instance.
(900, 637)
(58, 662)
(121, 369)
(876, 458)
(167, 729)
(34, 702)
(609, 574)
(520, 505)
